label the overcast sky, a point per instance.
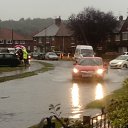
(16, 9)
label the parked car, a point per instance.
(119, 62)
(125, 53)
(38, 55)
(41, 56)
(51, 56)
(34, 55)
(89, 67)
(8, 50)
(9, 59)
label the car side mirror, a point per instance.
(105, 65)
(75, 63)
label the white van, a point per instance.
(83, 51)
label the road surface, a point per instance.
(24, 102)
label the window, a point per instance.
(16, 42)
(124, 35)
(8, 56)
(40, 40)
(29, 48)
(35, 48)
(22, 42)
(117, 37)
(8, 42)
(1, 41)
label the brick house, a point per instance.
(9, 38)
(119, 38)
(56, 37)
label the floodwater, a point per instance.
(24, 102)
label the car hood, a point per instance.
(116, 61)
(54, 56)
(88, 68)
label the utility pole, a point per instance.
(12, 38)
(45, 42)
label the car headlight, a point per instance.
(75, 70)
(100, 71)
(29, 57)
(119, 63)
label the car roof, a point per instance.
(91, 57)
(124, 55)
(7, 53)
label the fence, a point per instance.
(99, 121)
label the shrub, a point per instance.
(118, 109)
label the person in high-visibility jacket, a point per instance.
(25, 56)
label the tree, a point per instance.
(92, 26)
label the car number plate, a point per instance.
(86, 75)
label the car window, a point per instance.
(8, 56)
(52, 53)
(122, 58)
(90, 62)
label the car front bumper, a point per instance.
(86, 75)
(115, 65)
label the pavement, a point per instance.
(33, 66)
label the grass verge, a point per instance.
(115, 95)
(9, 69)
(45, 67)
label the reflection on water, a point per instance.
(99, 92)
(75, 95)
(75, 100)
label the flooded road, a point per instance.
(24, 102)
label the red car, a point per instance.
(89, 67)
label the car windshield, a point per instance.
(90, 62)
(122, 58)
(87, 52)
(52, 53)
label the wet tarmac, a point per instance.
(24, 102)
(33, 66)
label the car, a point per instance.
(89, 67)
(9, 59)
(119, 62)
(51, 56)
(125, 53)
(34, 55)
(41, 56)
(83, 51)
(38, 55)
(7, 50)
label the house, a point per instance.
(119, 38)
(9, 38)
(56, 37)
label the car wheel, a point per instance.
(74, 79)
(125, 66)
(100, 79)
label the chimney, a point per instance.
(58, 21)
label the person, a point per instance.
(20, 55)
(25, 56)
